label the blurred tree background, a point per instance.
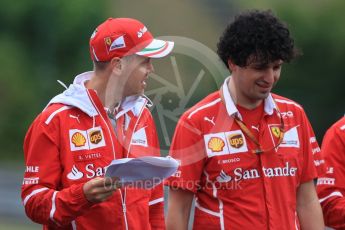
(40, 42)
(43, 41)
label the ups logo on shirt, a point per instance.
(95, 137)
(236, 140)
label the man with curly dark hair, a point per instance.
(248, 156)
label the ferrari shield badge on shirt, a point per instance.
(276, 131)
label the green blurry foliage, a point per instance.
(40, 41)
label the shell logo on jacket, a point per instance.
(86, 139)
(78, 139)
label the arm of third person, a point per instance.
(179, 205)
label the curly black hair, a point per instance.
(256, 36)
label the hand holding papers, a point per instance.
(143, 172)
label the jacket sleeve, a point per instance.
(331, 187)
(43, 199)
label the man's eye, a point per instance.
(259, 67)
(146, 61)
(277, 67)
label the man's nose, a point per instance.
(270, 75)
(150, 67)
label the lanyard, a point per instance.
(251, 136)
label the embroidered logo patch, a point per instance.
(139, 138)
(95, 137)
(291, 138)
(75, 174)
(141, 32)
(236, 140)
(276, 131)
(30, 180)
(107, 41)
(223, 177)
(86, 139)
(78, 139)
(216, 144)
(118, 43)
(224, 143)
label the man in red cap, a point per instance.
(100, 117)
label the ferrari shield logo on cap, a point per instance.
(107, 41)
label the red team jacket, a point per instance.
(331, 187)
(73, 141)
(234, 187)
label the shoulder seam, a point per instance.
(51, 116)
(288, 102)
(204, 106)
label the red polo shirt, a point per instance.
(234, 187)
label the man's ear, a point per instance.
(116, 64)
(232, 66)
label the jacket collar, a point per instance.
(77, 95)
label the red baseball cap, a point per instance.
(119, 37)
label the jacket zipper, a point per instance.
(124, 208)
(114, 156)
(123, 198)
